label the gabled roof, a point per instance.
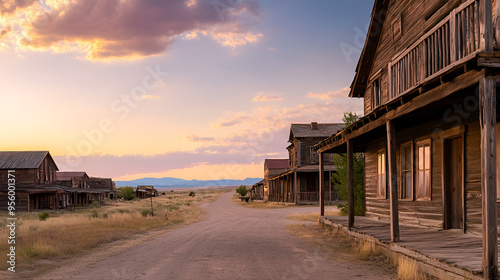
(23, 159)
(276, 163)
(306, 130)
(364, 66)
(68, 175)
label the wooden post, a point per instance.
(152, 213)
(486, 25)
(393, 180)
(330, 186)
(350, 183)
(487, 113)
(321, 185)
(295, 190)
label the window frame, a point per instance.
(383, 153)
(313, 156)
(423, 143)
(402, 188)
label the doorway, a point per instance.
(453, 194)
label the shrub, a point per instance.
(94, 214)
(192, 194)
(95, 204)
(43, 216)
(242, 190)
(146, 212)
(126, 193)
(105, 216)
(172, 207)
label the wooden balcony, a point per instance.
(453, 41)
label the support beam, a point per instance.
(487, 115)
(486, 25)
(350, 182)
(295, 190)
(393, 180)
(321, 185)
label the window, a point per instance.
(406, 191)
(381, 171)
(375, 93)
(424, 170)
(313, 155)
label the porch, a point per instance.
(451, 254)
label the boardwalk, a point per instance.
(232, 243)
(449, 249)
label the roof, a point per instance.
(322, 130)
(276, 163)
(23, 159)
(68, 175)
(363, 68)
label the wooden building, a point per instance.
(146, 192)
(299, 184)
(77, 183)
(257, 191)
(105, 186)
(273, 167)
(428, 74)
(35, 182)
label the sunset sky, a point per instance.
(193, 89)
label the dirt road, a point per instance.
(232, 243)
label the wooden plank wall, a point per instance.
(413, 25)
(428, 213)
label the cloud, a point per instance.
(130, 29)
(263, 98)
(10, 6)
(330, 95)
(196, 138)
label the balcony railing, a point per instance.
(452, 41)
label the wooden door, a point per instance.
(453, 194)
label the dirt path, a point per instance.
(232, 243)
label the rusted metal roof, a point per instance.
(276, 163)
(22, 160)
(314, 130)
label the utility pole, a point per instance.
(152, 213)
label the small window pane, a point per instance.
(420, 184)
(420, 158)
(427, 156)
(408, 183)
(383, 164)
(407, 162)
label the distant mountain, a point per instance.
(169, 182)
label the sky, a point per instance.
(192, 89)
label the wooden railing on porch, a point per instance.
(452, 41)
(313, 197)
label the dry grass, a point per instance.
(66, 234)
(259, 205)
(408, 269)
(366, 249)
(312, 217)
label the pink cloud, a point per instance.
(10, 7)
(261, 97)
(115, 29)
(343, 93)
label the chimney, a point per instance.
(314, 126)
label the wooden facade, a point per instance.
(257, 191)
(428, 75)
(106, 186)
(146, 192)
(299, 184)
(273, 167)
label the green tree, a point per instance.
(126, 193)
(339, 179)
(242, 190)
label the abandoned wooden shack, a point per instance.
(428, 74)
(299, 184)
(77, 184)
(35, 182)
(257, 191)
(272, 167)
(105, 186)
(146, 192)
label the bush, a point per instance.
(95, 204)
(192, 194)
(94, 214)
(126, 193)
(43, 216)
(146, 212)
(171, 207)
(242, 190)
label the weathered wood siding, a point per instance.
(425, 212)
(415, 18)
